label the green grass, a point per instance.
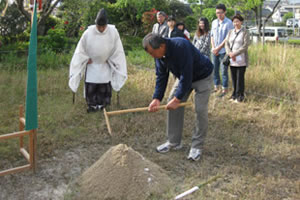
(254, 146)
(297, 42)
(136, 55)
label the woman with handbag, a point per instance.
(236, 45)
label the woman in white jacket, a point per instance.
(236, 45)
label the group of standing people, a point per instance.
(231, 38)
(194, 64)
(169, 27)
(225, 37)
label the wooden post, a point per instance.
(34, 146)
(107, 122)
(21, 124)
(31, 149)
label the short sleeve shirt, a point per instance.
(219, 31)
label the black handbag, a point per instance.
(226, 59)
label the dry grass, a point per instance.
(275, 71)
(254, 146)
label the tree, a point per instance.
(190, 23)
(179, 10)
(72, 14)
(131, 11)
(268, 17)
(198, 6)
(256, 6)
(287, 16)
(47, 8)
(12, 23)
(209, 13)
(149, 19)
(3, 7)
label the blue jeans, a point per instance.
(217, 62)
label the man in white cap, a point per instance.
(99, 56)
(161, 27)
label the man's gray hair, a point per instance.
(154, 40)
(161, 13)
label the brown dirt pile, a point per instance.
(122, 173)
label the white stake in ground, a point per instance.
(190, 191)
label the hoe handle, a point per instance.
(142, 109)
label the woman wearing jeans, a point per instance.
(236, 45)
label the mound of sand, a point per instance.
(122, 173)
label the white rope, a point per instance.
(274, 97)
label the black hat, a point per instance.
(101, 18)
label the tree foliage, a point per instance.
(3, 7)
(287, 16)
(179, 10)
(149, 19)
(72, 14)
(131, 11)
(210, 14)
(47, 9)
(125, 14)
(12, 23)
(191, 23)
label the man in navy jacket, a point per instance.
(193, 71)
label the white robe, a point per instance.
(108, 58)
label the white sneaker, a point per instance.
(167, 146)
(195, 154)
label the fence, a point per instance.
(31, 156)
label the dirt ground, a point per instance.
(239, 148)
(52, 176)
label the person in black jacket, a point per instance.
(180, 26)
(193, 71)
(173, 31)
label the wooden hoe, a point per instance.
(117, 112)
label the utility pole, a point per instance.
(294, 20)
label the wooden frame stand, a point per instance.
(29, 156)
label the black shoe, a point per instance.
(92, 109)
(232, 98)
(240, 99)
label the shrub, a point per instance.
(296, 42)
(149, 19)
(279, 24)
(209, 13)
(52, 22)
(55, 40)
(191, 23)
